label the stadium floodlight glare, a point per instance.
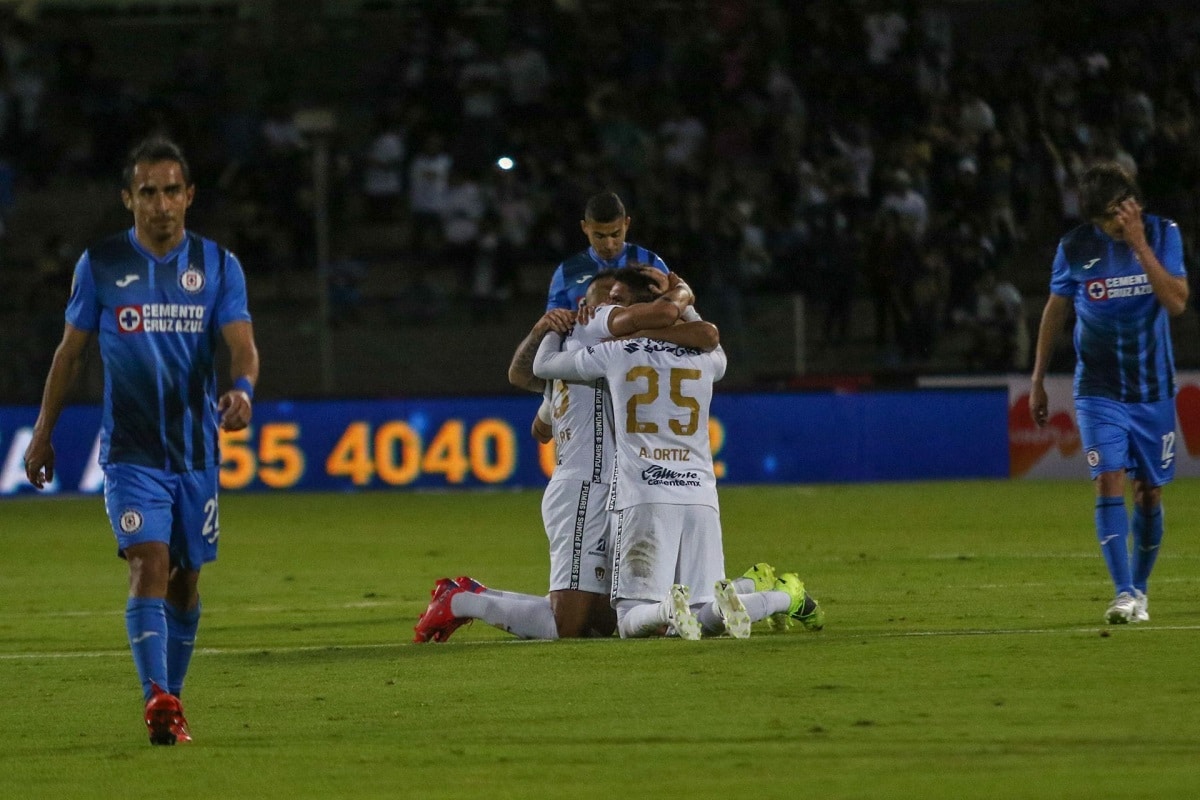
(505, 163)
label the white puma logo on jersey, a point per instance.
(128, 279)
(1091, 263)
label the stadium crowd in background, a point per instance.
(835, 149)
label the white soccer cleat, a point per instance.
(1141, 607)
(729, 606)
(679, 613)
(1122, 609)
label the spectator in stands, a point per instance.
(428, 184)
(999, 336)
(383, 167)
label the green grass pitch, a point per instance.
(964, 656)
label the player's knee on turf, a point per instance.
(572, 612)
(603, 620)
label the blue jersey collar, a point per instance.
(613, 264)
(170, 256)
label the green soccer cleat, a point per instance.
(763, 575)
(804, 608)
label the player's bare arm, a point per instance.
(665, 310)
(520, 369)
(542, 429)
(1171, 290)
(64, 369)
(236, 405)
(1054, 316)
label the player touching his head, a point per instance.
(1124, 273)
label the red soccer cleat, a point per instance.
(164, 718)
(438, 621)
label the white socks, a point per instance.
(523, 615)
(759, 605)
(529, 616)
(638, 619)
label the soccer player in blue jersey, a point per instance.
(1124, 273)
(158, 297)
(605, 224)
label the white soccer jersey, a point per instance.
(581, 419)
(660, 398)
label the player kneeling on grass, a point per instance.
(575, 504)
(576, 499)
(666, 526)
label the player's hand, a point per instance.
(587, 314)
(1129, 217)
(1039, 405)
(558, 320)
(39, 462)
(662, 282)
(676, 282)
(235, 409)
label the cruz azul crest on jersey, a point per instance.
(191, 280)
(131, 521)
(129, 318)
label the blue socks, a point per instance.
(161, 638)
(1147, 536)
(1112, 529)
(146, 624)
(181, 641)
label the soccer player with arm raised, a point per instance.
(159, 298)
(1123, 272)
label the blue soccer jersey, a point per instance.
(570, 281)
(1122, 333)
(158, 321)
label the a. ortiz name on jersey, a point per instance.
(161, 318)
(1123, 286)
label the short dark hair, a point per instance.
(604, 207)
(1103, 184)
(603, 276)
(642, 286)
(154, 149)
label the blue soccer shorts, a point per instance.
(154, 505)
(1137, 437)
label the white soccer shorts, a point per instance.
(576, 517)
(656, 545)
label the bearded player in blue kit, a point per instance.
(1124, 272)
(158, 297)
